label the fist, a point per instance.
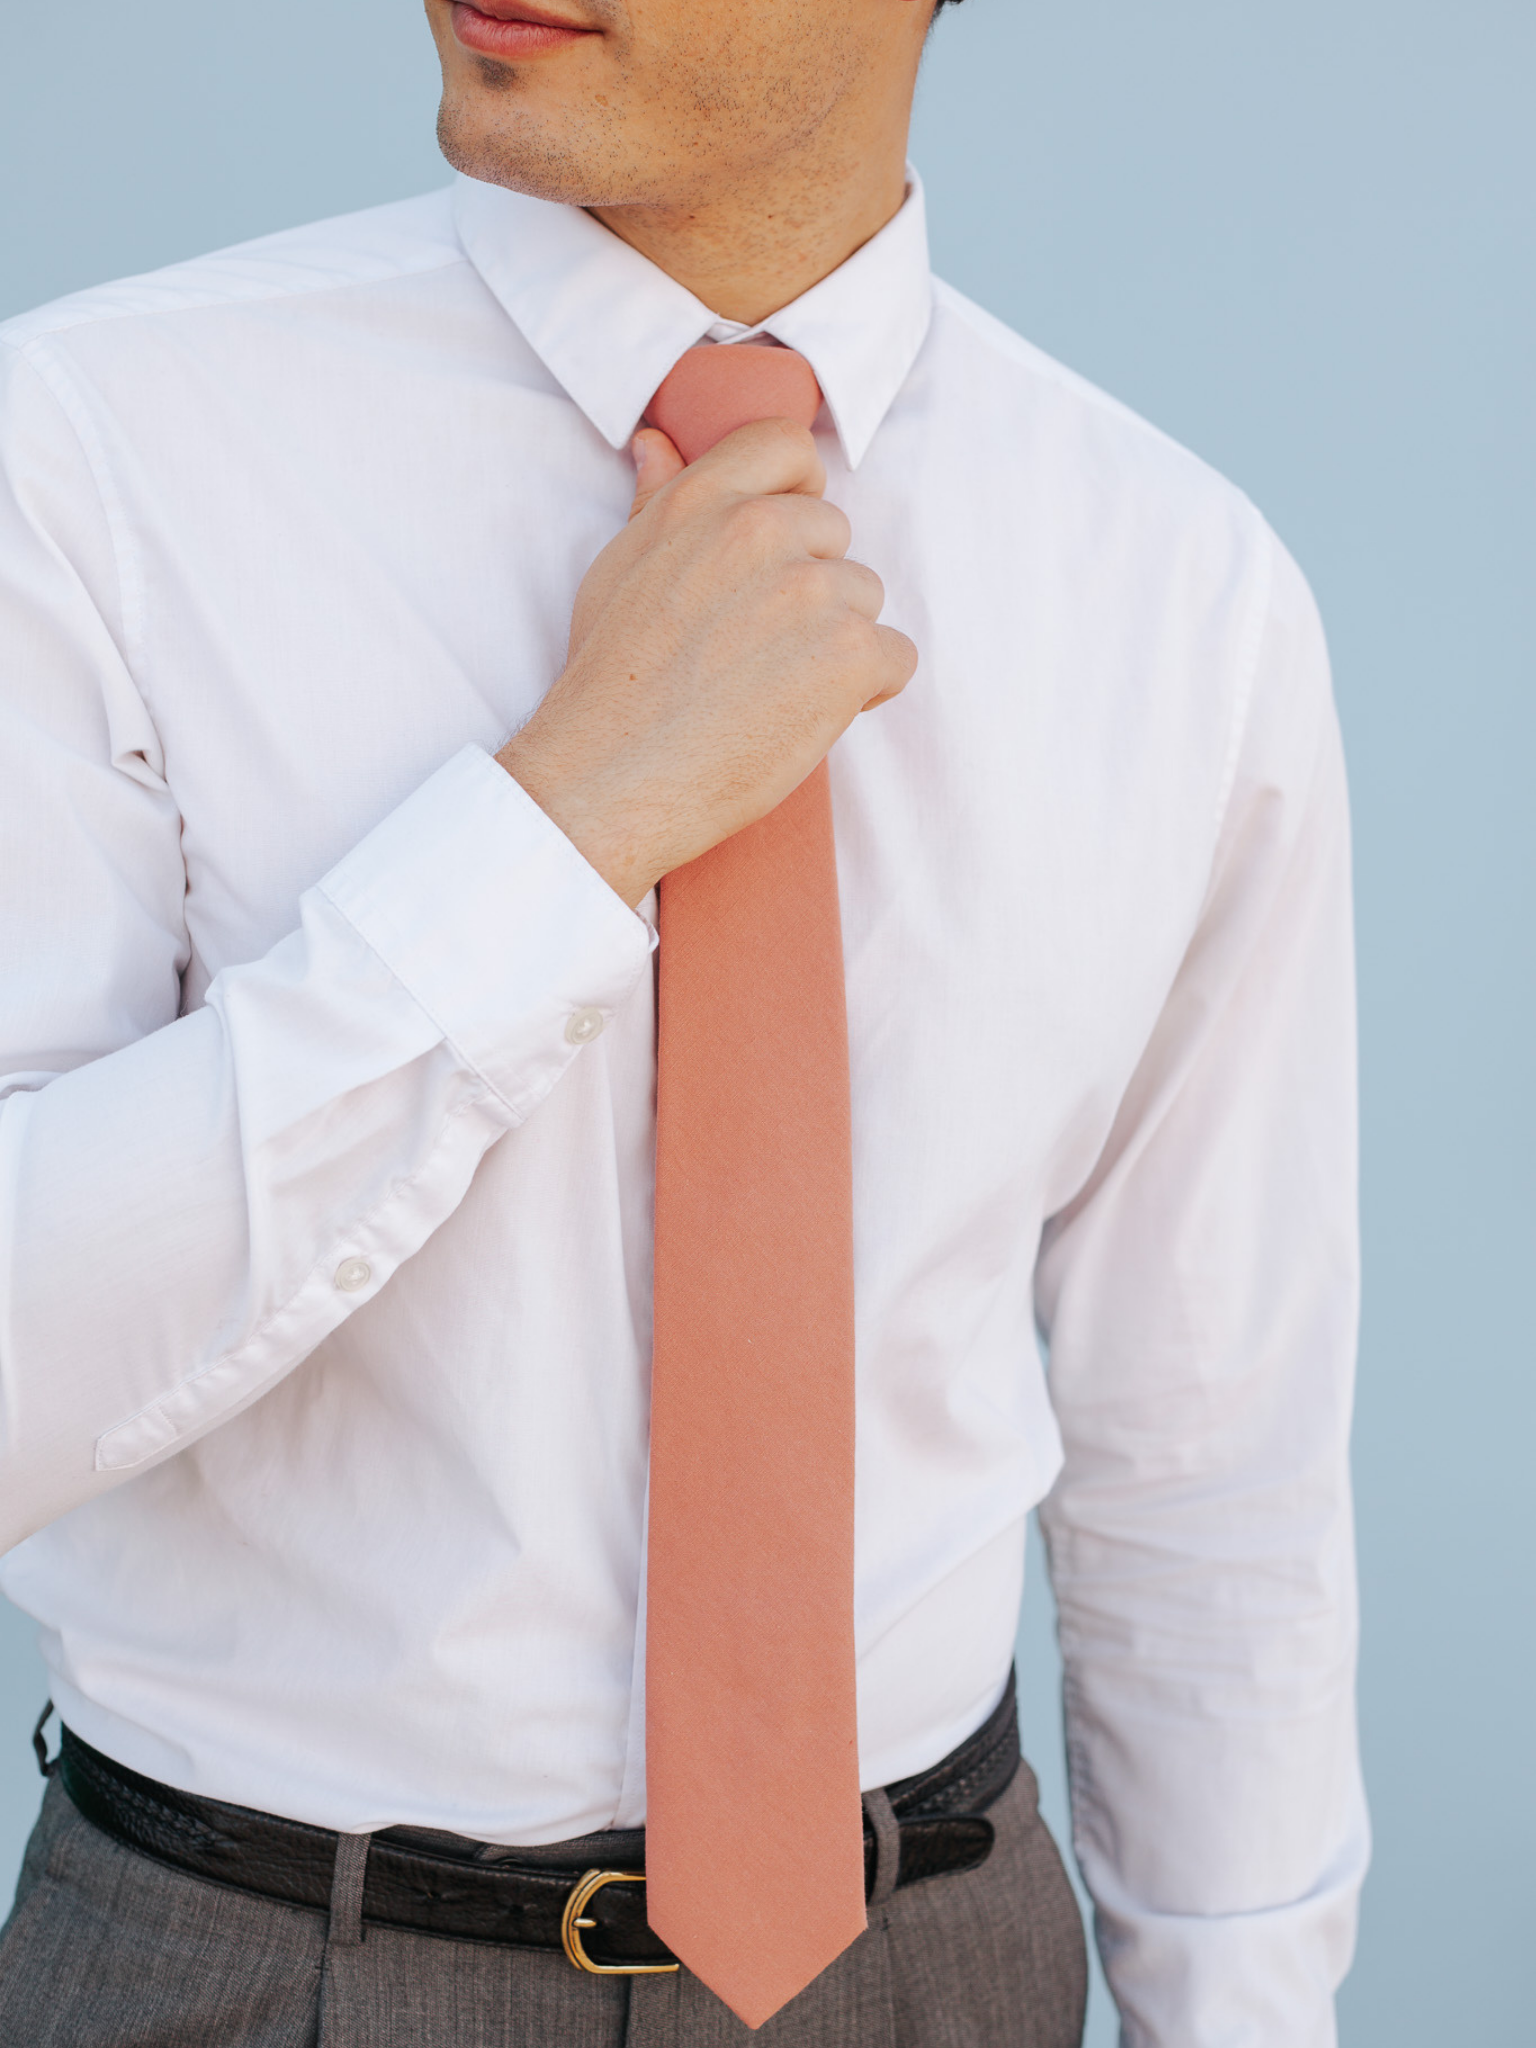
(719, 645)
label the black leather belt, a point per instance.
(584, 1897)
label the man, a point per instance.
(395, 1637)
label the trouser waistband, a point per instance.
(927, 1825)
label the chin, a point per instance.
(502, 147)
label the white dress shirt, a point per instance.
(326, 1152)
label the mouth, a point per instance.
(512, 29)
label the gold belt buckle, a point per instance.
(583, 1892)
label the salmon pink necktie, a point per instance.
(754, 1835)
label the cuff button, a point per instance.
(353, 1274)
(582, 1026)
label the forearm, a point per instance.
(187, 1217)
(1201, 1298)
(1218, 1813)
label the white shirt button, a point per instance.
(352, 1274)
(582, 1026)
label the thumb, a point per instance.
(656, 463)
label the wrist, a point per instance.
(588, 817)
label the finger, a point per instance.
(821, 529)
(656, 463)
(899, 662)
(764, 459)
(863, 592)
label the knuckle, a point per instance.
(786, 445)
(785, 431)
(819, 584)
(850, 640)
(901, 654)
(757, 522)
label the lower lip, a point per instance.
(492, 38)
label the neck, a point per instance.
(750, 246)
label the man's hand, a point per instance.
(718, 647)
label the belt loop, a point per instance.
(46, 1764)
(346, 1928)
(882, 1818)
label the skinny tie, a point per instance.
(754, 1834)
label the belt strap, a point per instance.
(939, 1816)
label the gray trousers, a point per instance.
(108, 1949)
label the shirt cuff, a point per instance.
(486, 913)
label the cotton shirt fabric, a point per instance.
(327, 1144)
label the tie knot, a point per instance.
(715, 388)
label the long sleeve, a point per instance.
(190, 1202)
(1199, 1303)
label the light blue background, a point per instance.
(1300, 238)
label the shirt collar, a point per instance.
(608, 324)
